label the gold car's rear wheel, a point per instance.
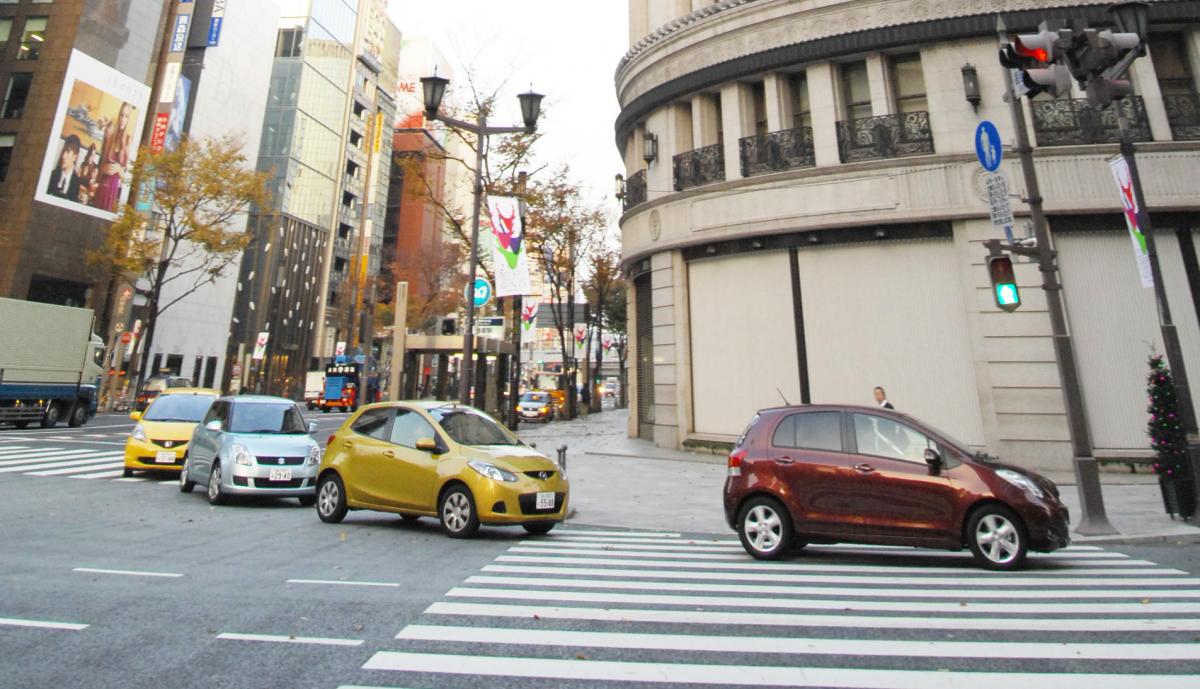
(457, 513)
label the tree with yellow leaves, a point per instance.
(186, 240)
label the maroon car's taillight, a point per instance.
(735, 462)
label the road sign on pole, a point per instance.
(999, 206)
(988, 147)
(482, 292)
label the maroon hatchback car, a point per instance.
(831, 473)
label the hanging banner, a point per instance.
(260, 346)
(509, 258)
(580, 334)
(1120, 169)
(529, 312)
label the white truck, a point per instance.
(49, 364)
(314, 388)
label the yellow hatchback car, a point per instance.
(439, 460)
(160, 440)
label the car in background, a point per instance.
(253, 445)
(435, 459)
(828, 474)
(610, 388)
(154, 385)
(536, 406)
(160, 439)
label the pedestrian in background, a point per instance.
(881, 398)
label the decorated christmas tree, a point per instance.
(1165, 428)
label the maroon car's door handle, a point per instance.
(864, 468)
(785, 461)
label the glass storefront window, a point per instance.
(32, 38)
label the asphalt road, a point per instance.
(110, 582)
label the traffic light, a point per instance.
(1091, 58)
(1036, 58)
(1004, 283)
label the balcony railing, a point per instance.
(1183, 112)
(1072, 122)
(886, 136)
(778, 151)
(635, 189)
(701, 166)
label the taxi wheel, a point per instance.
(457, 511)
(331, 499)
(539, 528)
(765, 528)
(215, 496)
(185, 484)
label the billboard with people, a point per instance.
(94, 140)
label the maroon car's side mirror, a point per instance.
(934, 459)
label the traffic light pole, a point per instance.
(1170, 335)
(1092, 519)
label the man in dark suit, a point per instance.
(64, 183)
(881, 398)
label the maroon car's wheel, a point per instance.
(765, 528)
(997, 538)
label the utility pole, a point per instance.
(1092, 519)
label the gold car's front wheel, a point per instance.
(457, 510)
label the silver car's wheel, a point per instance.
(185, 484)
(997, 538)
(215, 496)
(458, 513)
(765, 528)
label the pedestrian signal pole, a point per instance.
(1092, 519)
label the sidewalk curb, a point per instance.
(700, 459)
(1146, 539)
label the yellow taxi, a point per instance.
(160, 439)
(442, 460)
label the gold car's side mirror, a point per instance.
(135, 415)
(427, 445)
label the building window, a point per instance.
(6, 24)
(856, 90)
(210, 373)
(290, 42)
(7, 141)
(32, 38)
(1171, 64)
(197, 369)
(15, 95)
(759, 91)
(801, 106)
(909, 82)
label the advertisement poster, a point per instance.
(260, 346)
(94, 139)
(178, 114)
(1141, 254)
(509, 258)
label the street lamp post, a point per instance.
(434, 88)
(1131, 17)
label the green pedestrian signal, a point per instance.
(1004, 283)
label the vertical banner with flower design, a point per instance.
(509, 258)
(1133, 218)
(580, 333)
(529, 310)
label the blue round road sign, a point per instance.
(988, 147)
(482, 292)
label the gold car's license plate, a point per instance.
(545, 501)
(281, 475)
(164, 457)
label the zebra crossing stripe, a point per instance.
(1132, 608)
(752, 675)
(771, 619)
(967, 571)
(1147, 579)
(956, 594)
(803, 646)
(100, 464)
(736, 548)
(620, 534)
(8, 449)
(48, 456)
(95, 458)
(103, 474)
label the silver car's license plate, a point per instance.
(281, 475)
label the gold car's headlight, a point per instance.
(138, 434)
(493, 472)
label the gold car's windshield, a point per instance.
(469, 427)
(179, 408)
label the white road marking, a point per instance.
(46, 456)
(73, 462)
(924, 582)
(628, 534)
(40, 624)
(124, 572)
(968, 571)
(1132, 608)
(331, 582)
(132, 479)
(750, 675)
(111, 464)
(968, 594)
(792, 645)
(103, 474)
(769, 619)
(9, 449)
(700, 547)
(232, 636)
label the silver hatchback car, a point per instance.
(253, 446)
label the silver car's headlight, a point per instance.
(1021, 481)
(493, 472)
(314, 456)
(138, 433)
(243, 456)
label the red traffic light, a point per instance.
(1038, 54)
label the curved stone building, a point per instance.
(804, 215)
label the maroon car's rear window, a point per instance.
(746, 433)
